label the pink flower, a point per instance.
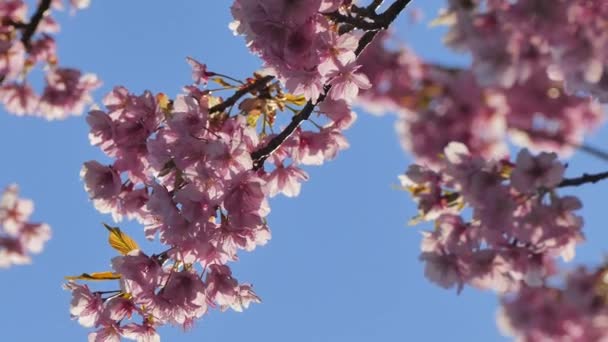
(67, 92)
(18, 236)
(532, 173)
(139, 273)
(80, 4)
(346, 82)
(19, 99)
(221, 286)
(286, 180)
(141, 333)
(200, 75)
(101, 129)
(12, 252)
(101, 182)
(14, 211)
(339, 112)
(105, 334)
(181, 299)
(12, 58)
(118, 308)
(85, 306)
(34, 236)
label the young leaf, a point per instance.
(297, 100)
(120, 241)
(95, 276)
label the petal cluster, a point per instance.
(27, 44)
(184, 169)
(536, 112)
(576, 311)
(515, 229)
(18, 236)
(301, 46)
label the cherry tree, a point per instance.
(196, 170)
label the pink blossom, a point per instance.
(140, 274)
(510, 240)
(141, 333)
(19, 236)
(86, 306)
(101, 182)
(542, 171)
(346, 82)
(181, 299)
(285, 180)
(19, 99)
(105, 334)
(200, 75)
(67, 91)
(12, 58)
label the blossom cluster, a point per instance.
(576, 312)
(18, 236)
(184, 169)
(515, 226)
(301, 46)
(452, 105)
(28, 45)
(511, 41)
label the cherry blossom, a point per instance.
(18, 236)
(185, 170)
(27, 44)
(518, 225)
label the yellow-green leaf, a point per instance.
(444, 19)
(252, 119)
(221, 82)
(297, 100)
(120, 241)
(95, 276)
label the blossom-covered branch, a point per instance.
(255, 85)
(27, 44)
(519, 224)
(383, 21)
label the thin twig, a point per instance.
(584, 179)
(594, 151)
(378, 22)
(355, 22)
(258, 84)
(31, 27)
(374, 5)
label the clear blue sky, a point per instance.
(342, 264)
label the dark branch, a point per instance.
(584, 179)
(259, 156)
(355, 22)
(594, 151)
(369, 11)
(374, 5)
(377, 22)
(30, 28)
(258, 84)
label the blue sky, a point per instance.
(342, 264)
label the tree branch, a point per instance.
(259, 84)
(30, 28)
(594, 151)
(259, 156)
(378, 22)
(374, 5)
(584, 179)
